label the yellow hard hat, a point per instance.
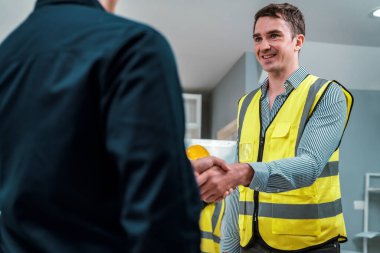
(194, 152)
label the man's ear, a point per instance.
(300, 38)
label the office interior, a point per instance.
(212, 43)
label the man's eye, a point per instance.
(274, 35)
(256, 39)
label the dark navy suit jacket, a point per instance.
(91, 137)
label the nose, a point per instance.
(264, 45)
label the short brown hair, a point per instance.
(290, 13)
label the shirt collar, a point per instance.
(293, 81)
(90, 3)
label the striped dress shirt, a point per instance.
(321, 137)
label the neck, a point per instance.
(277, 78)
(108, 5)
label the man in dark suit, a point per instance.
(91, 136)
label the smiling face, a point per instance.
(275, 46)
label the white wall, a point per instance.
(350, 65)
(9, 18)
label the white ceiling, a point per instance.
(209, 36)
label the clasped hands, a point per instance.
(217, 179)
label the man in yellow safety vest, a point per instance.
(289, 133)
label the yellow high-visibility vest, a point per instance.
(210, 223)
(298, 219)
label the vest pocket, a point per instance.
(296, 227)
(299, 216)
(281, 130)
(281, 139)
(247, 151)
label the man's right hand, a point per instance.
(213, 177)
(216, 178)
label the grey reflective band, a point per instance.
(246, 207)
(315, 87)
(296, 211)
(211, 236)
(331, 169)
(214, 221)
(243, 110)
(216, 238)
(215, 215)
(206, 235)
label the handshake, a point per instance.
(217, 179)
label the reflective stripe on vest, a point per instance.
(210, 223)
(317, 85)
(294, 211)
(298, 211)
(307, 216)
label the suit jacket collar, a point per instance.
(90, 3)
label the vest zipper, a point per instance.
(256, 233)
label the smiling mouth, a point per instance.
(268, 56)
